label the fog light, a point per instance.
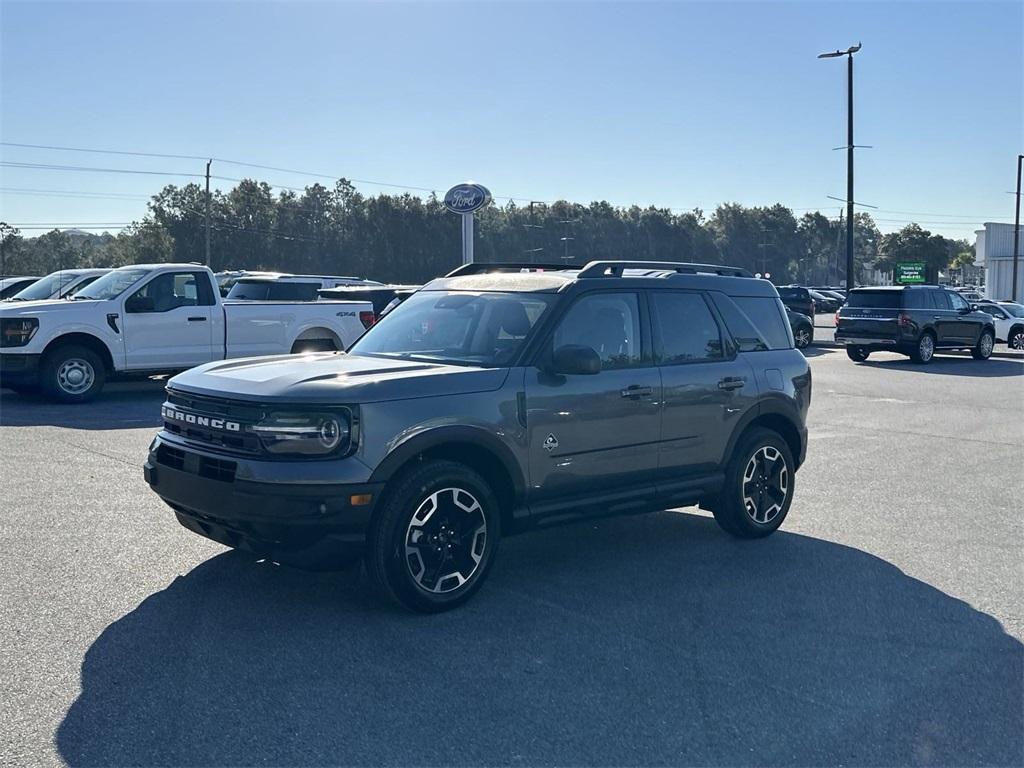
(360, 499)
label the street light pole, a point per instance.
(848, 53)
(1016, 235)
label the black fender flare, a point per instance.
(439, 437)
(771, 408)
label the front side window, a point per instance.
(487, 329)
(940, 299)
(685, 329)
(608, 323)
(166, 292)
(993, 310)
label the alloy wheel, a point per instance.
(765, 484)
(75, 376)
(803, 338)
(926, 347)
(1017, 340)
(986, 344)
(445, 540)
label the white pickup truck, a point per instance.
(156, 318)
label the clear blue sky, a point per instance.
(675, 104)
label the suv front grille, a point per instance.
(207, 409)
(194, 464)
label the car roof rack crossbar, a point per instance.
(480, 268)
(616, 268)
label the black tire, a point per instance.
(731, 507)
(983, 349)
(413, 575)
(804, 336)
(60, 371)
(857, 354)
(924, 350)
(1015, 338)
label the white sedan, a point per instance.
(1009, 321)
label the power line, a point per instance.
(48, 167)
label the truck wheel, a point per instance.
(857, 354)
(1015, 339)
(759, 484)
(435, 536)
(924, 351)
(983, 349)
(72, 374)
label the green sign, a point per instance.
(909, 272)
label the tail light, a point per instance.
(367, 318)
(904, 320)
(837, 318)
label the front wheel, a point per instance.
(435, 537)
(1016, 339)
(803, 337)
(759, 484)
(983, 349)
(857, 354)
(72, 374)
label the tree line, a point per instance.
(409, 239)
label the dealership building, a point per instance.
(993, 250)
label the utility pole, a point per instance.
(848, 53)
(207, 262)
(1016, 234)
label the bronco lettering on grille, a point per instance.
(200, 421)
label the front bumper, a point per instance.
(311, 525)
(18, 369)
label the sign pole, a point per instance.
(467, 238)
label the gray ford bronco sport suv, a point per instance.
(494, 400)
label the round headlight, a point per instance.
(331, 433)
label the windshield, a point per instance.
(45, 287)
(459, 327)
(111, 284)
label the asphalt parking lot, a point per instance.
(882, 625)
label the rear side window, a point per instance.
(685, 328)
(940, 299)
(743, 332)
(874, 299)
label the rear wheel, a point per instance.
(435, 537)
(72, 374)
(857, 354)
(759, 484)
(983, 349)
(803, 336)
(1015, 339)
(924, 351)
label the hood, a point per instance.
(336, 378)
(41, 307)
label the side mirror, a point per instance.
(975, 307)
(575, 359)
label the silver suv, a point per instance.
(492, 401)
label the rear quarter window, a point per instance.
(756, 323)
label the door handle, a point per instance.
(635, 392)
(732, 382)
(197, 319)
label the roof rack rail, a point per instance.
(615, 268)
(480, 267)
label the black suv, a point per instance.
(912, 320)
(492, 401)
(798, 299)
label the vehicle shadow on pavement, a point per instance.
(120, 406)
(647, 640)
(953, 366)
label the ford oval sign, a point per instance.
(466, 198)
